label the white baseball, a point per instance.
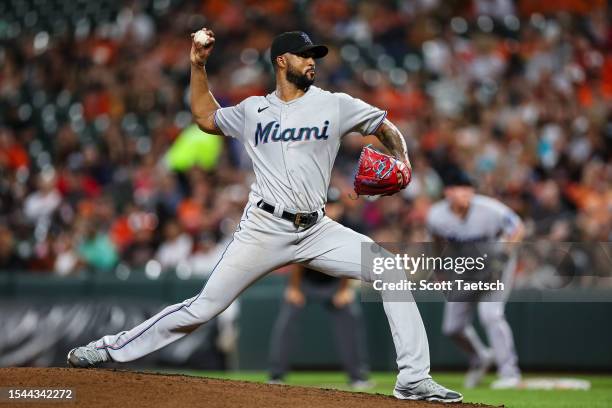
(201, 37)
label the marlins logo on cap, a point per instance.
(295, 42)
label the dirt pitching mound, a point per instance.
(114, 388)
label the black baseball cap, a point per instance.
(454, 176)
(295, 42)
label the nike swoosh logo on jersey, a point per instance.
(259, 110)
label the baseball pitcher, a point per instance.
(292, 136)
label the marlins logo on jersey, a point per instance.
(290, 134)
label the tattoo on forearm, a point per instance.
(393, 140)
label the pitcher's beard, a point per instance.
(301, 81)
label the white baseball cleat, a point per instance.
(506, 383)
(428, 390)
(362, 385)
(86, 356)
(477, 371)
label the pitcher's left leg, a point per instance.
(336, 250)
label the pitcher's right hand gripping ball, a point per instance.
(380, 174)
(202, 43)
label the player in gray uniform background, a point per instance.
(468, 218)
(292, 136)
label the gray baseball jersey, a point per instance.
(487, 220)
(293, 144)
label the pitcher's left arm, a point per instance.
(393, 140)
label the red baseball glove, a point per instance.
(380, 174)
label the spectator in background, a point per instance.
(168, 197)
(8, 255)
(95, 249)
(12, 154)
(176, 247)
(554, 218)
(192, 210)
(141, 250)
(514, 92)
(40, 205)
(67, 260)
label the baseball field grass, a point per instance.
(600, 394)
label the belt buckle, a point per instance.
(305, 220)
(298, 219)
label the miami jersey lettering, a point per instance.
(289, 135)
(293, 145)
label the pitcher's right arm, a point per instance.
(203, 103)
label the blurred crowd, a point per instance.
(94, 96)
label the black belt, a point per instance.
(305, 220)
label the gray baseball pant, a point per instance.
(262, 243)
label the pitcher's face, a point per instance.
(300, 69)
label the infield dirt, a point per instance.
(116, 388)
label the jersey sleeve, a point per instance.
(507, 219)
(431, 224)
(510, 222)
(231, 120)
(358, 116)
